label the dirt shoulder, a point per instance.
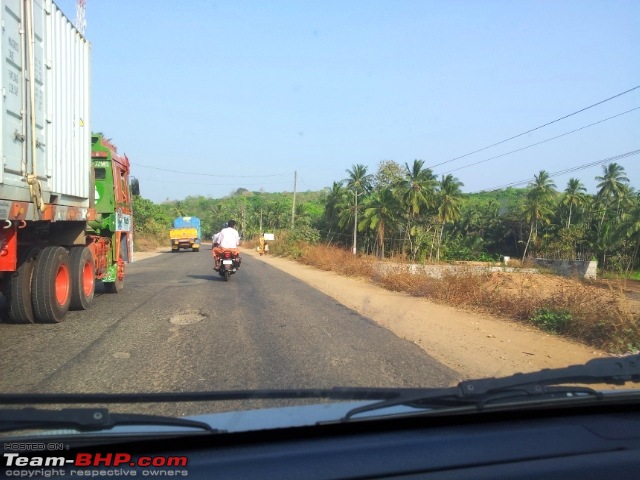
(473, 344)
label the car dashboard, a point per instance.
(581, 442)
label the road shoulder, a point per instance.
(473, 344)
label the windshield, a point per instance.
(240, 196)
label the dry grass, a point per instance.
(338, 260)
(603, 318)
(147, 244)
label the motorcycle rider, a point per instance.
(228, 240)
(215, 240)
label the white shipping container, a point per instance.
(45, 122)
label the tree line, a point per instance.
(408, 212)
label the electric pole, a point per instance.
(293, 207)
(355, 221)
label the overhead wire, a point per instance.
(567, 170)
(537, 128)
(541, 142)
(209, 174)
(212, 184)
(182, 172)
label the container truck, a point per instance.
(65, 199)
(186, 233)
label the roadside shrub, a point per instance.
(305, 234)
(148, 243)
(338, 260)
(552, 321)
(601, 317)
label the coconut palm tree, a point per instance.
(417, 189)
(574, 196)
(537, 205)
(333, 202)
(611, 186)
(448, 198)
(359, 182)
(276, 214)
(631, 229)
(417, 192)
(380, 213)
(611, 181)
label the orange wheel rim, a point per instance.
(62, 284)
(87, 279)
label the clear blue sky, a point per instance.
(261, 89)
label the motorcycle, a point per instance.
(229, 264)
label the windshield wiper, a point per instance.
(87, 419)
(470, 393)
(336, 393)
(479, 393)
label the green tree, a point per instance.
(277, 214)
(334, 203)
(574, 196)
(538, 204)
(417, 193)
(448, 198)
(631, 229)
(359, 182)
(379, 214)
(151, 219)
(389, 175)
(610, 186)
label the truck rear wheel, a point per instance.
(83, 283)
(51, 292)
(18, 288)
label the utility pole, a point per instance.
(355, 222)
(293, 207)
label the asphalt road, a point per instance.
(178, 327)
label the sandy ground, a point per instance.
(472, 344)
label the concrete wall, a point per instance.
(440, 271)
(569, 268)
(565, 268)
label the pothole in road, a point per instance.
(187, 317)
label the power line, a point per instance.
(567, 170)
(212, 184)
(537, 128)
(541, 142)
(209, 174)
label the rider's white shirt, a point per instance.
(229, 238)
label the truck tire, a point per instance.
(83, 282)
(51, 285)
(18, 288)
(114, 287)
